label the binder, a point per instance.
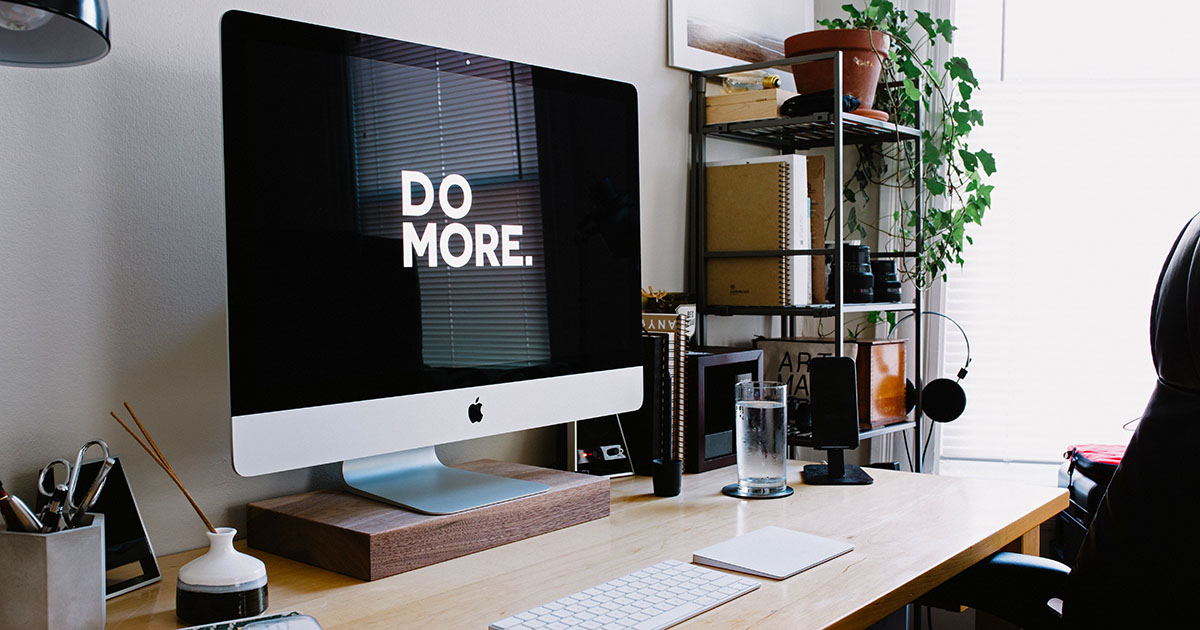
(758, 204)
(676, 327)
(646, 429)
(816, 199)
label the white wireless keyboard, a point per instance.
(653, 598)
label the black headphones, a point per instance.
(942, 399)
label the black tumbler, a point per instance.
(668, 476)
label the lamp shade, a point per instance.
(53, 33)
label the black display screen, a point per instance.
(404, 219)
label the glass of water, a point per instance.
(761, 434)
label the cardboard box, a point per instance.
(749, 105)
(879, 365)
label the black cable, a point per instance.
(907, 451)
(928, 438)
(892, 331)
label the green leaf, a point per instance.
(911, 91)
(946, 29)
(968, 159)
(988, 162)
(934, 186)
(926, 22)
(965, 89)
(962, 119)
(961, 70)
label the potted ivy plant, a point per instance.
(865, 52)
(952, 173)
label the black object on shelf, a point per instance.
(805, 104)
(799, 416)
(887, 282)
(835, 421)
(859, 283)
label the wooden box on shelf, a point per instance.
(880, 366)
(880, 372)
(749, 105)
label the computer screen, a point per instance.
(424, 245)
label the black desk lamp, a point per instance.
(53, 33)
(834, 421)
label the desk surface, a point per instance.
(911, 533)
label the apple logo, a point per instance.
(475, 411)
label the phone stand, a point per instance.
(836, 472)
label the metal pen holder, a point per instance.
(53, 580)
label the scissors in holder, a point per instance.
(72, 478)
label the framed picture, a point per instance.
(707, 34)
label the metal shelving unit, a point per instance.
(833, 129)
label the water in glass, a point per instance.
(761, 427)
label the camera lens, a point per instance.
(859, 283)
(887, 283)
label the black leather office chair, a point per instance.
(1139, 566)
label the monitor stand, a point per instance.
(836, 472)
(416, 479)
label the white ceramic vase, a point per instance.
(222, 584)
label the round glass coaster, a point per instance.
(734, 490)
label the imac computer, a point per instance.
(424, 246)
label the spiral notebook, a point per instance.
(772, 552)
(757, 204)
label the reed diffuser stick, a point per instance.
(161, 460)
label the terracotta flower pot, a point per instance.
(864, 52)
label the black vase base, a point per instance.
(195, 608)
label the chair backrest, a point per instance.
(1138, 564)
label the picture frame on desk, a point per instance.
(709, 436)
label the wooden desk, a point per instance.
(911, 533)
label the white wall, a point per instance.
(112, 282)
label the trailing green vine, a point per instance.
(953, 175)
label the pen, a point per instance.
(52, 513)
(93, 492)
(17, 515)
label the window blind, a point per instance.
(1057, 288)
(442, 113)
